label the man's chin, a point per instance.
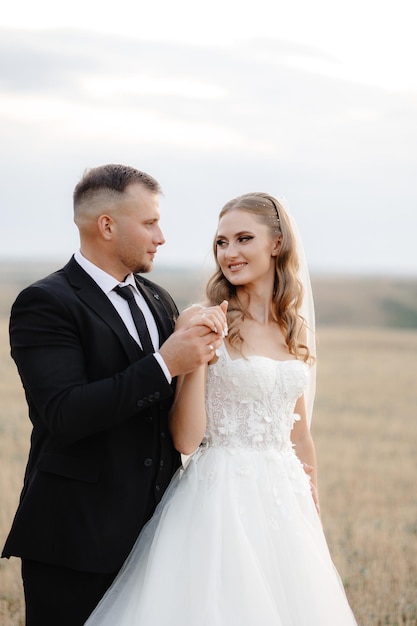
(143, 269)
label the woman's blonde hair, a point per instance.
(288, 291)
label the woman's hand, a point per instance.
(309, 470)
(213, 317)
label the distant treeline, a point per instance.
(366, 301)
(360, 301)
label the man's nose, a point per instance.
(159, 237)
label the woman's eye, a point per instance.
(245, 238)
(220, 243)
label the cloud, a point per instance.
(210, 122)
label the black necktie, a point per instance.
(138, 318)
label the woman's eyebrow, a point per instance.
(239, 234)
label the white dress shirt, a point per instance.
(107, 283)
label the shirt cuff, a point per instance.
(163, 366)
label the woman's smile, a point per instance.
(235, 267)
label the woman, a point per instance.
(237, 539)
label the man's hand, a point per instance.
(199, 332)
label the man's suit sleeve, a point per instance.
(78, 380)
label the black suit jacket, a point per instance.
(101, 454)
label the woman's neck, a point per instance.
(257, 305)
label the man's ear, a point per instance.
(106, 226)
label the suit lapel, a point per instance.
(162, 316)
(93, 297)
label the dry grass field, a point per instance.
(365, 428)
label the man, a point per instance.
(101, 453)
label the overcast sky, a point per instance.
(316, 101)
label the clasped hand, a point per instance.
(199, 331)
(212, 317)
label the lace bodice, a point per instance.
(250, 402)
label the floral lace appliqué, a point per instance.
(250, 402)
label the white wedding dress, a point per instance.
(236, 540)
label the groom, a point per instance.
(101, 454)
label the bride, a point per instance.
(237, 539)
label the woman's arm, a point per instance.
(188, 413)
(304, 447)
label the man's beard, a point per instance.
(142, 268)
